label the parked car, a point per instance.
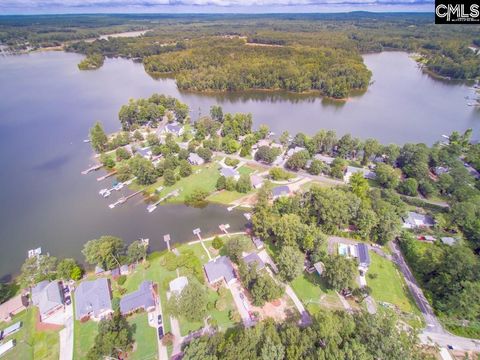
(159, 320)
(160, 332)
(66, 290)
(68, 300)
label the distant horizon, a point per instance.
(190, 7)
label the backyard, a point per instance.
(30, 342)
(145, 338)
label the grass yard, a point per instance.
(31, 343)
(314, 295)
(245, 169)
(84, 337)
(226, 197)
(387, 284)
(145, 338)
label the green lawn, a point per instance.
(31, 343)
(388, 285)
(84, 337)
(225, 197)
(145, 338)
(245, 169)
(314, 295)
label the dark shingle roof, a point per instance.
(92, 297)
(140, 299)
(219, 268)
(363, 255)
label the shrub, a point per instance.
(217, 242)
(121, 279)
(231, 162)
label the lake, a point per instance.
(47, 107)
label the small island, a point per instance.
(91, 62)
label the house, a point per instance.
(363, 255)
(7, 346)
(48, 296)
(253, 258)
(439, 170)
(229, 173)
(257, 181)
(416, 220)
(195, 159)
(258, 242)
(124, 270)
(145, 152)
(326, 159)
(220, 269)
(12, 307)
(174, 128)
(280, 191)
(143, 299)
(178, 284)
(10, 330)
(367, 174)
(449, 241)
(294, 150)
(319, 267)
(260, 143)
(93, 299)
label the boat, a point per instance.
(106, 194)
(151, 208)
(86, 140)
(111, 206)
(102, 192)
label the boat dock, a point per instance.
(92, 168)
(124, 199)
(152, 207)
(106, 176)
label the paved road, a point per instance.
(66, 335)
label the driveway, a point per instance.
(162, 349)
(241, 302)
(66, 335)
(305, 319)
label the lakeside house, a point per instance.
(93, 299)
(174, 128)
(177, 285)
(367, 174)
(415, 220)
(253, 259)
(48, 297)
(280, 191)
(229, 173)
(142, 299)
(220, 269)
(326, 159)
(295, 150)
(450, 241)
(257, 181)
(195, 159)
(12, 307)
(145, 152)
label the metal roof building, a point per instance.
(363, 255)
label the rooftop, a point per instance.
(414, 219)
(326, 159)
(142, 298)
(47, 296)
(92, 298)
(280, 190)
(256, 180)
(368, 174)
(228, 172)
(363, 255)
(218, 269)
(195, 159)
(252, 259)
(449, 241)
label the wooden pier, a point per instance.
(153, 207)
(92, 168)
(106, 176)
(124, 199)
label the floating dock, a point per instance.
(106, 176)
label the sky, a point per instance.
(209, 6)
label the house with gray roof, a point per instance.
(415, 220)
(257, 181)
(220, 269)
(449, 241)
(253, 259)
(326, 159)
(174, 128)
(144, 152)
(142, 299)
(363, 256)
(195, 159)
(229, 173)
(48, 296)
(295, 150)
(93, 299)
(367, 174)
(280, 191)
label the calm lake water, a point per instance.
(47, 106)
